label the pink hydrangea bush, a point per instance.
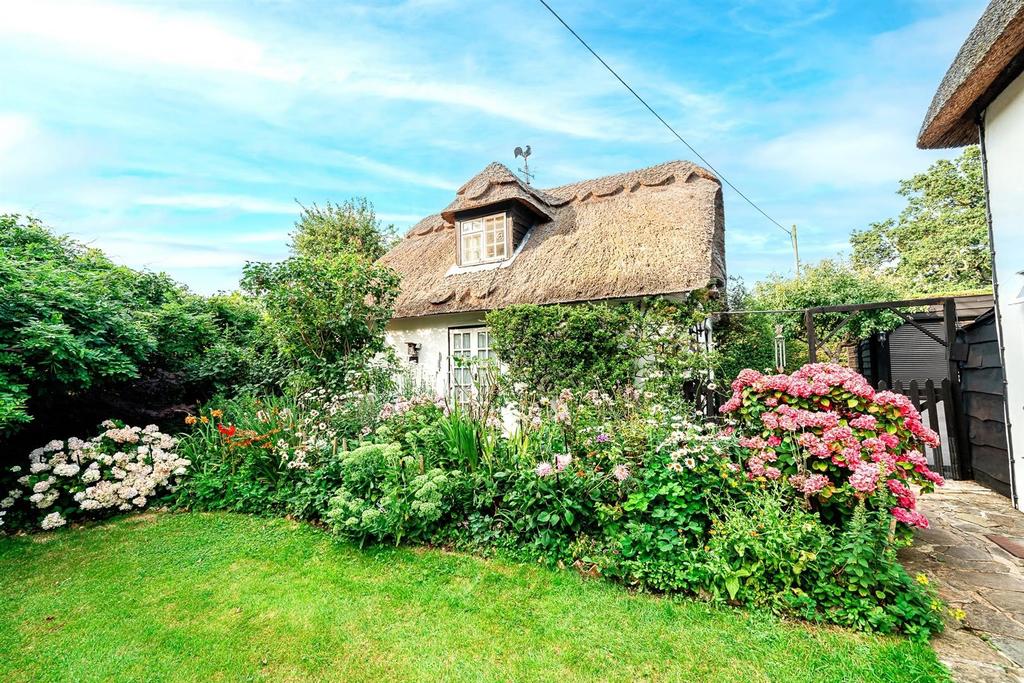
(827, 433)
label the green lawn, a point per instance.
(190, 597)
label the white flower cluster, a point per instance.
(312, 430)
(122, 468)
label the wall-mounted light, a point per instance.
(413, 351)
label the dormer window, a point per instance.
(484, 239)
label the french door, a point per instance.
(472, 361)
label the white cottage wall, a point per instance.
(1004, 153)
(430, 372)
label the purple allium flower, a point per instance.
(621, 472)
(544, 469)
(603, 438)
(562, 461)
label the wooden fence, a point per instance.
(938, 412)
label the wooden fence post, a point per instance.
(959, 456)
(812, 339)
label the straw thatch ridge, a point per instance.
(973, 80)
(654, 231)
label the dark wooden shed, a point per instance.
(908, 354)
(983, 397)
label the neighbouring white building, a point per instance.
(981, 101)
(658, 231)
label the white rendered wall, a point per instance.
(1004, 150)
(431, 372)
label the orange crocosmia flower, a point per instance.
(191, 419)
(216, 412)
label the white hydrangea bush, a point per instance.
(120, 470)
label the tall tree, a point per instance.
(939, 242)
(327, 304)
(333, 229)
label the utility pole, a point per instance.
(796, 250)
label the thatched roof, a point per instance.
(990, 57)
(658, 230)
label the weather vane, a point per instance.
(525, 170)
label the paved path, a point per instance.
(977, 576)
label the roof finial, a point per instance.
(525, 170)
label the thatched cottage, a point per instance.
(981, 101)
(657, 231)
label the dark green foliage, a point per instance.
(326, 316)
(79, 332)
(602, 345)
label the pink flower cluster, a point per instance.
(866, 438)
(809, 484)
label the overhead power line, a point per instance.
(667, 125)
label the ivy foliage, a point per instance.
(601, 345)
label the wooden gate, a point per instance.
(939, 412)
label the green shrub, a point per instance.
(686, 477)
(862, 584)
(383, 496)
(83, 339)
(760, 548)
(602, 345)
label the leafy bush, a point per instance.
(759, 549)
(121, 469)
(601, 345)
(325, 316)
(834, 439)
(766, 550)
(686, 478)
(862, 584)
(82, 338)
(384, 496)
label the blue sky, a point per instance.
(178, 136)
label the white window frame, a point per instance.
(483, 227)
(473, 344)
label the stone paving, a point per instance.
(975, 575)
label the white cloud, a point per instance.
(15, 129)
(869, 151)
(208, 202)
(141, 36)
(781, 16)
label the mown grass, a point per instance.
(221, 597)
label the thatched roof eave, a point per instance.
(989, 58)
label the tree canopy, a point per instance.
(76, 329)
(939, 242)
(333, 229)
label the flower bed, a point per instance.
(789, 508)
